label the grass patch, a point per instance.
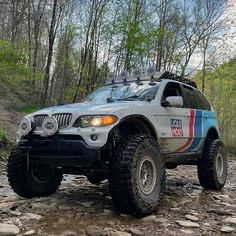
(28, 109)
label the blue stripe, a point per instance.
(197, 131)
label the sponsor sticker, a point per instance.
(176, 128)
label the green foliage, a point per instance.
(12, 60)
(220, 86)
(16, 77)
(3, 134)
(28, 109)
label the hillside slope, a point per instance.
(9, 121)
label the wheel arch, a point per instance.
(134, 124)
(212, 133)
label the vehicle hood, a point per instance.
(90, 108)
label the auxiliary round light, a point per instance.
(50, 125)
(25, 126)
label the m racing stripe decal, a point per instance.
(191, 132)
(197, 131)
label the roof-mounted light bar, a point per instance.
(151, 75)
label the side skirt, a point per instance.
(190, 158)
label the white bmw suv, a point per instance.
(128, 132)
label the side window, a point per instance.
(171, 89)
(203, 103)
(191, 100)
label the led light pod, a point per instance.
(151, 71)
(25, 126)
(50, 125)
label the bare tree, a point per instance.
(57, 9)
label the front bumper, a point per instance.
(60, 150)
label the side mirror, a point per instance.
(173, 101)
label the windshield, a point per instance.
(120, 92)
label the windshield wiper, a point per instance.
(128, 98)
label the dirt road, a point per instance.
(80, 208)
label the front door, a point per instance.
(174, 122)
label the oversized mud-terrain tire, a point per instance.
(36, 180)
(213, 167)
(137, 175)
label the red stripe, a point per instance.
(190, 137)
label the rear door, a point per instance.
(195, 114)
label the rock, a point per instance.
(95, 231)
(187, 224)
(31, 216)
(81, 232)
(149, 218)
(219, 212)
(86, 204)
(231, 220)
(108, 212)
(207, 224)
(111, 223)
(126, 215)
(221, 197)
(177, 209)
(186, 231)
(136, 232)
(9, 229)
(108, 197)
(119, 233)
(30, 232)
(69, 233)
(161, 220)
(40, 206)
(64, 208)
(191, 217)
(227, 229)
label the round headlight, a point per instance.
(96, 121)
(50, 125)
(25, 126)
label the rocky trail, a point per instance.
(81, 208)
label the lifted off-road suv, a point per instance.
(128, 132)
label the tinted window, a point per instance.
(190, 97)
(202, 101)
(171, 89)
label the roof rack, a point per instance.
(151, 75)
(172, 76)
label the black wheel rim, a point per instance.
(42, 173)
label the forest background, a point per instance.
(58, 51)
